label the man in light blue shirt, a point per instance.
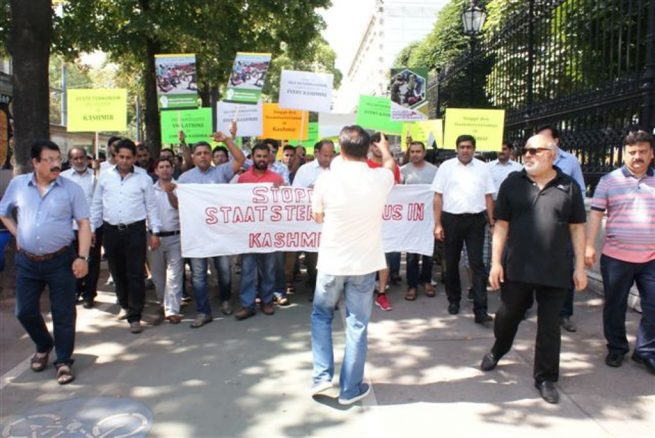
(570, 165)
(46, 205)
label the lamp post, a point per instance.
(473, 19)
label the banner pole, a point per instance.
(96, 148)
(236, 113)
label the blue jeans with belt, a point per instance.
(31, 279)
(618, 278)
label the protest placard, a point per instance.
(302, 90)
(248, 118)
(312, 138)
(373, 112)
(486, 125)
(330, 124)
(227, 219)
(283, 124)
(247, 77)
(176, 80)
(196, 124)
(428, 131)
(408, 88)
(96, 109)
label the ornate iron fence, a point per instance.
(584, 66)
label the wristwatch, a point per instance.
(86, 259)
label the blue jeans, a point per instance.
(280, 287)
(618, 278)
(199, 281)
(358, 294)
(31, 279)
(413, 275)
(253, 265)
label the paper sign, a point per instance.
(97, 109)
(330, 124)
(428, 131)
(247, 78)
(176, 81)
(196, 124)
(486, 125)
(248, 117)
(312, 138)
(304, 90)
(373, 112)
(407, 89)
(282, 124)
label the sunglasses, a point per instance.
(534, 151)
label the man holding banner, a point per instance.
(205, 173)
(348, 201)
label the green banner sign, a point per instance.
(374, 113)
(312, 138)
(196, 124)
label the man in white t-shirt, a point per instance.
(348, 201)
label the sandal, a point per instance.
(64, 374)
(429, 290)
(39, 363)
(174, 319)
(410, 295)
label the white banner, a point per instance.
(302, 90)
(249, 118)
(330, 124)
(227, 219)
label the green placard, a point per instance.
(374, 113)
(196, 124)
(311, 139)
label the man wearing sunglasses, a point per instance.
(539, 214)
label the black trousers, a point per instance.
(459, 230)
(87, 287)
(515, 300)
(126, 256)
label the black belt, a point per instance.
(44, 257)
(165, 233)
(125, 227)
(465, 214)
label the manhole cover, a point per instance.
(104, 417)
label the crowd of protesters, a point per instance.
(520, 227)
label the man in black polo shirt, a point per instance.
(542, 212)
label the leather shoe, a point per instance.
(483, 319)
(648, 362)
(244, 313)
(453, 308)
(567, 324)
(174, 319)
(267, 308)
(548, 391)
(135, 327)
(489, 362)
(614, 359)
(88, 303)
(201, 319)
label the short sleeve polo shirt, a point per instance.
(539, 234)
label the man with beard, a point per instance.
(122, 201)
(628, 256)
(47, 205)
(541, 210)
(254, 264)
(81, 174)
(205, 173)
(418, 171)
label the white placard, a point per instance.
(249, 118)
(330, 124)
(228, 219)
(302, 90)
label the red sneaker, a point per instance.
(382, 302)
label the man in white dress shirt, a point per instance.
(122, 201)
(463, 205)
(83, 175)
(503, 166)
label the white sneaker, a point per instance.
(320, 387)
(366, 390)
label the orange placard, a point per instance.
(283, 124)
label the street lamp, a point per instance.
(473, 19)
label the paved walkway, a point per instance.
(251, 379)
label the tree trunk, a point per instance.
(29, 41)
(151, 116)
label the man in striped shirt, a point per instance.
(628, 256)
